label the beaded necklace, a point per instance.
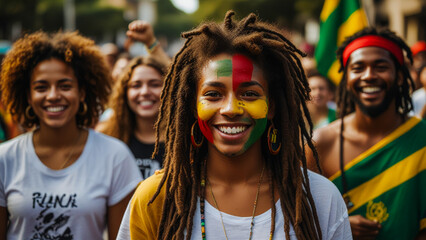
(202, 205)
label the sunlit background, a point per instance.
(106, 20)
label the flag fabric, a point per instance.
(387, 182)
(338, 20)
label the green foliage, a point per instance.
(50, 16)
(92, 18)
(310, 8)
(171, 22)
(22, 11)
(276, 11)
(281, 12)
(172, 25)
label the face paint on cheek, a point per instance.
(256, 133)
(205, 112)
(258, 110)
(204, 127)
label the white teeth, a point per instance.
(55, 109)
(232, 130)
(146, 103)
(370, 89)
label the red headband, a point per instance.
(373, 41)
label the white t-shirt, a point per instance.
(331, 210)
(70, 203)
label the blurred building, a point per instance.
(406, 17)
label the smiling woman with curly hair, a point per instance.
(62, 180)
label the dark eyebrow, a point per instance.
(213, 84)
(154, 80)
(249, 84)
(65, 80)
(380, 60)
(41, 81)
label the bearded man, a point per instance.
(374, 153)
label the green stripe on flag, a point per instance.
(411, 197)
(334, 24)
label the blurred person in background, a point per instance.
(419, 96)
(419, 59)
(119, 66)
(61, 180)
(3, 128)
(8, 127)
(375, 153)
(111, 52)
(122, 60)
(135, 104)
(321, 94)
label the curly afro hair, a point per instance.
(78, 52)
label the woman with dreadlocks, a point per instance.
(62, 180)
(233, 105)
(375, 153)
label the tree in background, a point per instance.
(93, 17)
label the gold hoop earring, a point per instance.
(84, 111)
(194, 143)
(274, 148)
(28, 111)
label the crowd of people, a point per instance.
(234, 137)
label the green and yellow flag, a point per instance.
(339, 19)
(387, 182)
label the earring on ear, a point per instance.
(28, 112)
(84, 111)
(194, 143)
(274, 148)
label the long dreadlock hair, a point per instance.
(346, 104)
(288, 89)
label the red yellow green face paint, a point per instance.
(232, 89)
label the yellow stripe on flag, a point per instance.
(391, 137)
(328, 8)
(423, 223)
(405, 170)
(356, 22)
(333, 73)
